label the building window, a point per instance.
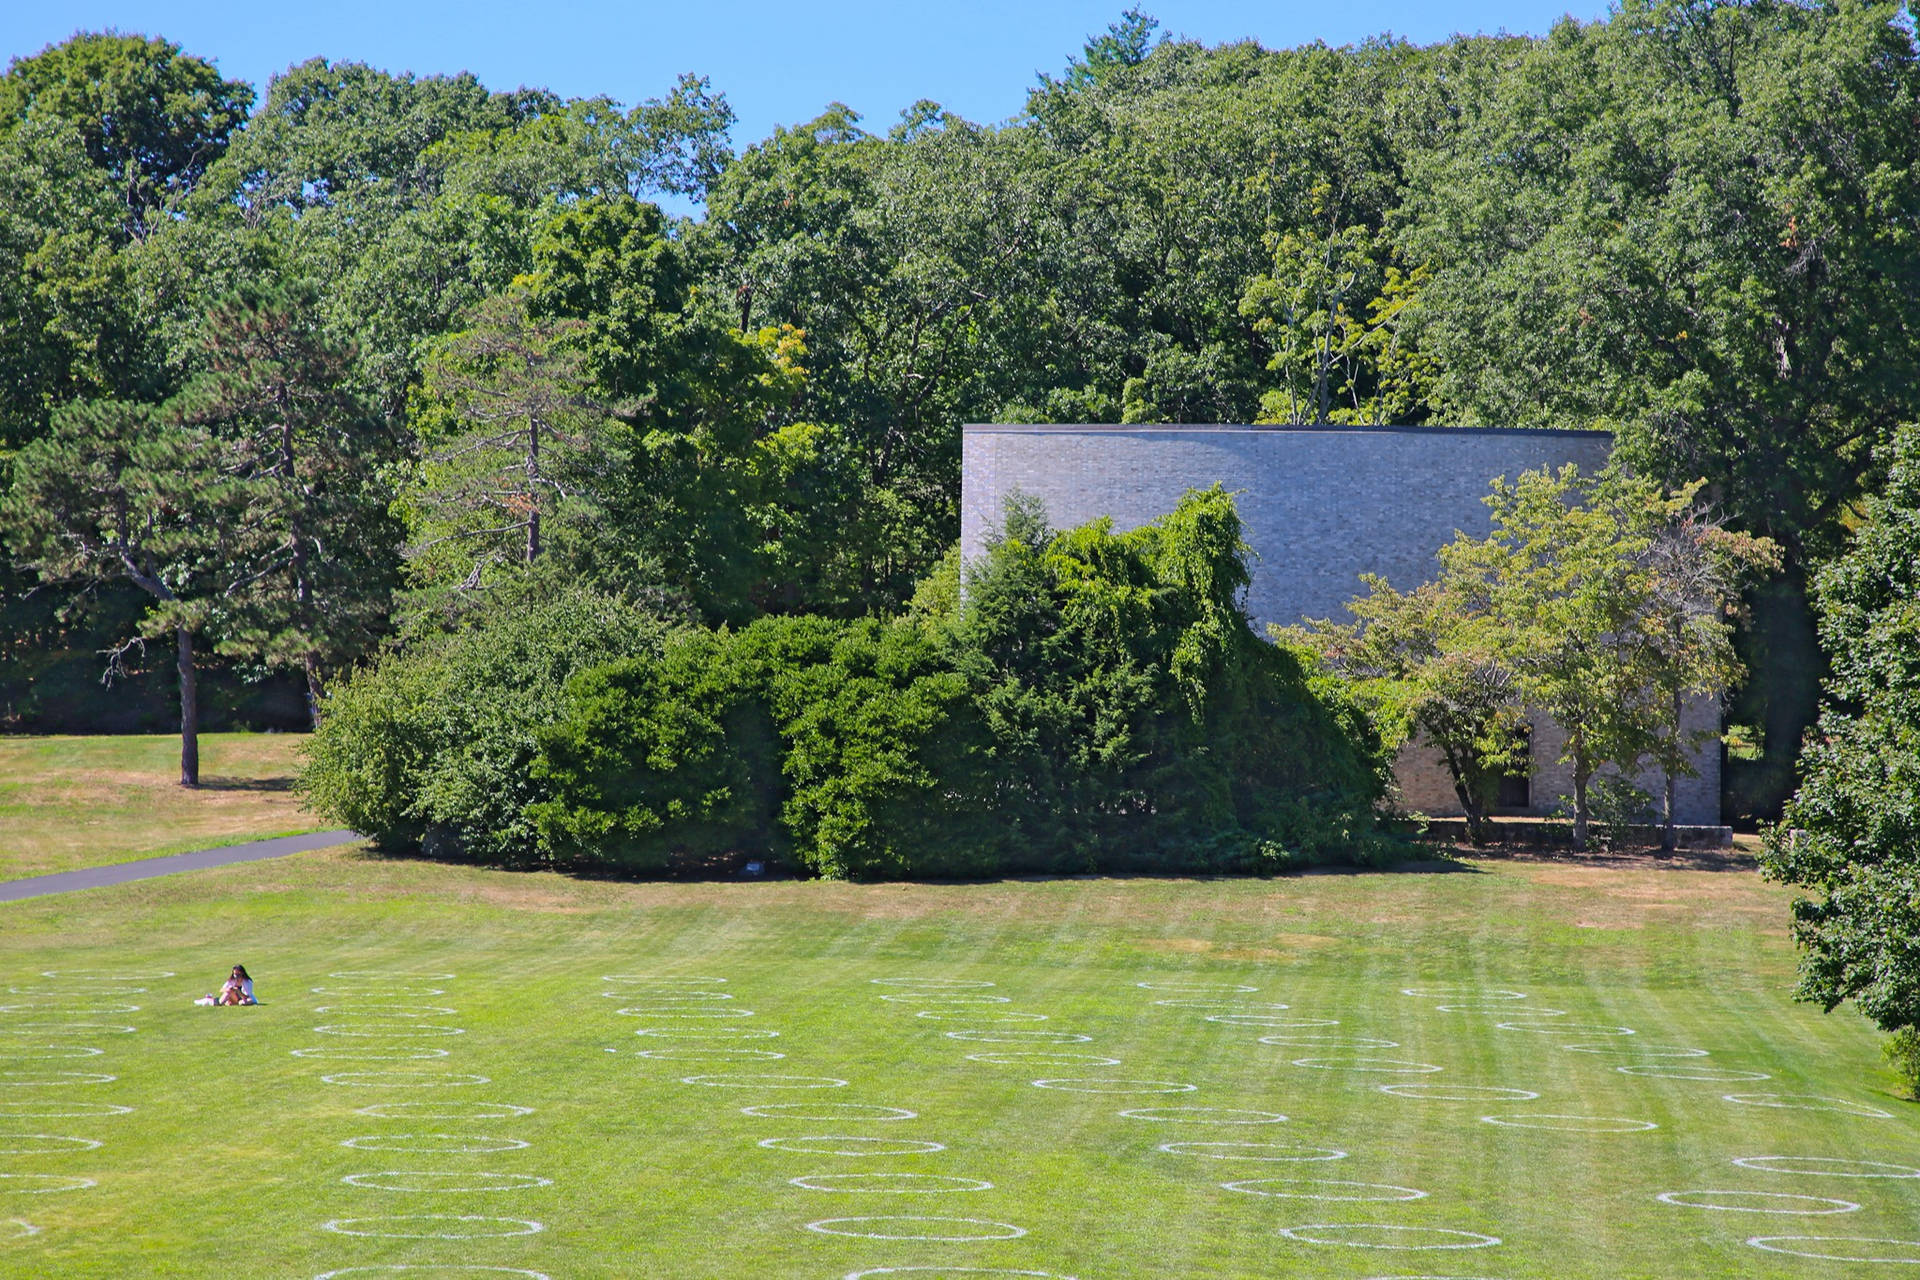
(1516, 784)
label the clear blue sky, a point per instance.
(778, 63)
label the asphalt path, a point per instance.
(148, 868)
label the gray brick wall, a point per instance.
(1321, 506)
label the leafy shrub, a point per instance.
(433, 747)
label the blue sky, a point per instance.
(778, 63)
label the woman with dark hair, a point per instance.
(239, 988)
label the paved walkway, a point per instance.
(147, 868)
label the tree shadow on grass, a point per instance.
(279, 785)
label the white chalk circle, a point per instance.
(406, 1079)
(1843, 1248)
(935, 997)
(453, 1144)
(434, 1226)
(1026, 1058)
(41, 1184)
(911, 1227)
(1203, 1115)
(1331, 1042)
(379, 992)
(713, 1054)
(432, 1269)
(48, 1052)
(1566, 1028)
(1638, 1050)
(393, 974)
(1115, 1086)
(1379, 1066)
(1185, 1002)
(66, 993)
(937, 1272)
(670, 980)
(889, 1183)
(1808, 1102)
(43, 1144)
(1756, 1202)
(1196, 987)
(670, 995)
(61, 1109)
(1572, 1124)
(1019, 1037)
(17, 1229)
(443, 1110)
(966, 1015)
(108, 975)
(932, 982)
(1462, 993)
(1459, 1092)
(1505, 1011)
(1266, 1020)
(745, 1080)
(1670, 1071)
(413, 1180)
(673, 1011)
(51, 1079)
(369, 1055)
(1380, 1235)
(827, 1111)
(1257, 1152)
(392, 1031)
(1323, 1189)
(65, 1029)
(1827, 1167)
(67, 1006)
(836, 1145)
(709, 1033)
(387, 1010)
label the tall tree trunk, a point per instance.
(189, 712)
(1582, 774)
(316, 689)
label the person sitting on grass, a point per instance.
(239, 988)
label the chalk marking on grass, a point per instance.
(851, 1146)
(405, 1079)
(65, 992)
(50, 1109)
(1258, 1152)
(455, 1181)
(443, 1110)
(400, 974)
(671, 996)
(416, 1030)
(827, 1111)
(1865, 1248)
(1638, 1050)
(743, 1080)
(22, 1184)
(1415, 1237)
(1204, 1115)
(1196, 987)
(931, 982)
(840, 1227)
(442, 1267)
(66, 1029)
(44, 1144)
(378, 991)
(369, 1055)
(1383, 1066)
(959, 1015)
(935, 997)
(1681, 1198)
(1189, 1003)
(905, 1183)
(51, 1079)
(1462, 993)
(1019, 1059)
(1721, 1075)
(1459, 1092)
(643, 1011)
(1020, 1037)
(1571, 1124)
(49, 1052)
(954, 1271)
(1567, 1028)
(672, 979)
(1533, 1011)
(388, 1010)
(455, 1144)
(1850, 1169)
(1071, 1085)
(1335, 1042)
(108, 975)
(22, 1229)
(703, 1055)
(357, 1226)
(709, 1033)
(56, 1006)
(1358, 1192)
(1262, 1020)
(1804, 1101)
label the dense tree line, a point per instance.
(1693, 222)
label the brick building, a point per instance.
(1321, 506)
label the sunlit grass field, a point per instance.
(529, 1075)
(88, 801)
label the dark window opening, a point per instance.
(1516, 784)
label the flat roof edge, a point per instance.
(1104, 428)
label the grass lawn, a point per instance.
(85, 802)
(343, 1128)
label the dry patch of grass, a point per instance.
(71, 802)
